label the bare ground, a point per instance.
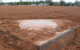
(44, 12)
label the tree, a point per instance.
(21, 2)
(62, 3)
(1, 2)
(49, 2)
(77, 3)
(69, 4)
(36, 2)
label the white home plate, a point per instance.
(37, 24)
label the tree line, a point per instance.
(47, 2)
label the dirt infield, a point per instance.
(44, 12)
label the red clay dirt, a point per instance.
(44, 12)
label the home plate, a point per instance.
(37, 34)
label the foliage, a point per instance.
(62, 3)
(77, 3)
(50, 3)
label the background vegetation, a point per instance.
(47, 2)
